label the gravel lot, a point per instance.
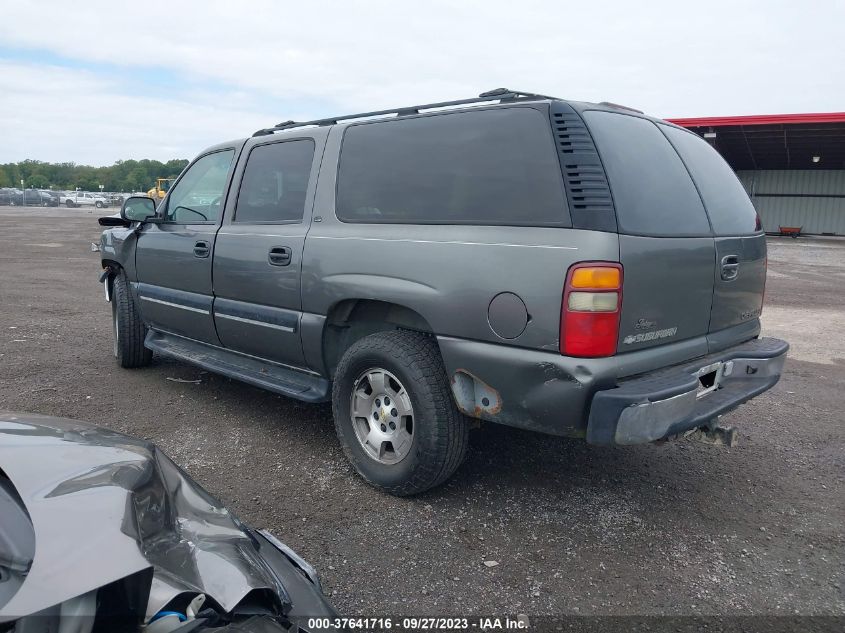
(682, 528)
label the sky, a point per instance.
(93, 81)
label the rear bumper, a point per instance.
(664, 403)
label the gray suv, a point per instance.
(571, 268)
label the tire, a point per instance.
(128, 329)
(439, 432)
(98, 204)
(69, 204)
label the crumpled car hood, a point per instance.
(104, 505)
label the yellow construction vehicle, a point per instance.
(160, 190)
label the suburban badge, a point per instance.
(650, 336)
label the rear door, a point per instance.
(740, 275)
(666, 246)
(258, 253)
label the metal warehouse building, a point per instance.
(793, 165)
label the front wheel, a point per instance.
(394, 413)
(69, 204)
(98, 204)
(128, 329)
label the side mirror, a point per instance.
(138, 209)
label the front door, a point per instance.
(258, 255)
(173, 258)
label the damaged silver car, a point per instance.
(103, 532)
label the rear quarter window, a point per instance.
(651, 188)
(491, 167)
(731, 211)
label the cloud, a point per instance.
(270, 60)
(56, 114)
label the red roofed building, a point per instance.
(793, 165)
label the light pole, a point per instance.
(23, 194)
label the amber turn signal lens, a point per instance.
(595, 277)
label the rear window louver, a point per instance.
(590, 202)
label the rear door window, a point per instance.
(651, 188)
(275, 182)
(731, 211)
(491, 167)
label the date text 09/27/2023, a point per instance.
(416, 623)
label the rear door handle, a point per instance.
(730, 267)
(202, 249)
(279, 256)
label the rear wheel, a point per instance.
(128, 329)
(69, 204)
(394, 413)
(98, 204)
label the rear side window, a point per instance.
(493, 167)
(651, 188)
(725, 199)
(275, 182)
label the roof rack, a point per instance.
(499, 94)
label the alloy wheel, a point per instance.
(382, 416)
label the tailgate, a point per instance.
(668, 290)
(739, 282)
(690, 241)
(665, 243)
(740, 276)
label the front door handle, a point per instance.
(730, 267)
(202, 249)
(279, 256)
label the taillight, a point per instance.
(589, 314)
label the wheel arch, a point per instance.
(350, 320)
(111, 269)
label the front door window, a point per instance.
(198, 196)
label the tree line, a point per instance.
(124, 175)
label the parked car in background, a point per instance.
(117, 198)
(67, 198)
(49, 198)
(5, 197)
(55, 194)
(33, 198)
(100, 531)
(83, 199)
